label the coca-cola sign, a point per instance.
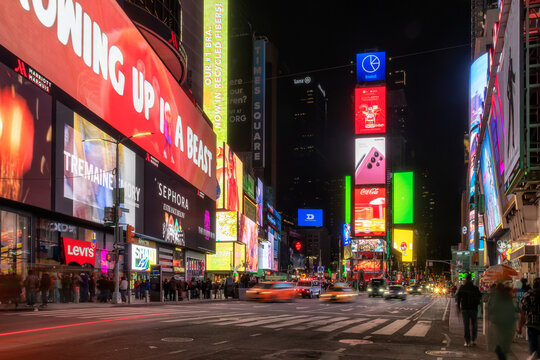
(370, 191)
(370, 211)
(80, 252)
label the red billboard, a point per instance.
(93, 51)
(79, 251)
(370, 110)
(370, 211)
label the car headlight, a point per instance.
(387, 292)
(401, 293)
(369, 289)
(380, 290)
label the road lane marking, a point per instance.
(177, 351)
(318, 323)
(301, 307)
(257, 334)
(268, 320)
(423, 310)
(340, 324)
(420, 329)
(202, 317)
(220, 342)
(365, 326)
(347, 309)
(298, 320)
(446, 310)
(340, 350)
(367, 337)
(392, 328)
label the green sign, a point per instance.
(463, 275)
(249, 186)
(348, 199)
(222, 260)
(402, 198)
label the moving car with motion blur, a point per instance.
(415, 289)
(309, 288)
(395, 292)
(272, 291)
(440, 290)
(376, 287)
(339, 292)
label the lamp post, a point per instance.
(116, 295)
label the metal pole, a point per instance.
(116, 294)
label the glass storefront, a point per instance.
(14, 242)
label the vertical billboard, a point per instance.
(370, 66)
(370, 161)
(402, 198)
(403, 243)
(176, 212)
(227, 226)
(216, 39)
(239, 256)
(220, 176)
(249, 186)
(509, 78)
(370, 110)
(234, 179)
(249, 236)
(223, 259)
(26, 138)
(490, 188)
(260, 199)
(266, 256)
(87, 158)
(259, 94)
(370, 211)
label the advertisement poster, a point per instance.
(367, 245)
(402, 198)
(220, 176)
(260, 205)
(250, 238)
(222, 260)
(310, 217)
(142, 257)
(370, 110)
(177, 212)
(370, 161)
(239, 257)
(370, 66)
(26, 137)
(403, 242)
(346, 234)
(249, 186)
(481, 231)
(265, 256)
(227, 226)
(489, 188)
(250, 209)
(88, 159)
(79, 251)
(234, 178)
(370, 211)
(372, 265)
(111, 69)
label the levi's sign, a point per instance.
(79, 251)
(92, 51)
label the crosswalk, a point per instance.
(345, 323)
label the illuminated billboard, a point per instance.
(403, 242)
(266, 257)
(310, 217)
(370, 66)
(215, 80)
(259, 102)
(100, 58)
(227, 226)
(26, 138)
(220, 176)
(370, 211)
(372, 265)
(481, 231)
(249, 186)
(260, 205)
(249, 236)
(370, 162)
(370, 110)
(239, 256)
(346, 234)
(234, 179)
(402, 198)
(222, 260)
(142, 257)
(489, 188)
(367, 245)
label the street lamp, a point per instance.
(116, 295)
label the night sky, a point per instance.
(316, 36)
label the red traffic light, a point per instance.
(298, 246)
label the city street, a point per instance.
(303, 329)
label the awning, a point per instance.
(526, 253)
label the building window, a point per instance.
(13, 242)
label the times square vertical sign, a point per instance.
(259, 86)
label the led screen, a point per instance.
(370, 66)
(346, 234)
(370, 110)
(403, 242)
(369, 265)
(176, 212)
(260, 204)
(402, 198)
(481, 231)
(249, 186)
(216, 47)
(227, 226)
(142, 257)
(87, 168)
(234, 178)
(310, 217)
(489, 187)
(367, 245)
(222, 260)
(265, 256)
(370, 162)
(250, 209)
(102, 60)
(249, 236)
(370, 211)
(239, 256)
(26, 138)
(220, 176)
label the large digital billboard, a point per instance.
(100, 58)
(234, 179)
(372, 265)
(249, 186)
(239, 256)
(370, 110)
(490, 188)
(266, 257)
(310, 217)
(260, 204)
(370, 211)
(216, 49)
(26, 138)
(142, 257)
(403, 243)
(249, 236)
(370, 161)
(370, 66)
(402, 198)
(223, 259)
(227, 226)
(176, 212)
(220, 176)
(481, 231)
(367, 245)
(86, 155)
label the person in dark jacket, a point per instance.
(44, 286)
(468, 298)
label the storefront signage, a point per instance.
(97, 55)
(142, 257)
(80, 252)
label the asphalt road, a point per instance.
(305, 329)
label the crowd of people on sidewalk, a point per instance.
(508, 310)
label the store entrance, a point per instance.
(139, 283)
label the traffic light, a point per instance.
(130, 234)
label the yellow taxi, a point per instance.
(272, 291)
(339, 292)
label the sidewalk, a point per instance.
(518, 351)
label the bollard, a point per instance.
(189, 294)
(76, 299)
(129, 296)
(162, 296)
(146, 296)
(175, 295)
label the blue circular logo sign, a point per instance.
(371, 63)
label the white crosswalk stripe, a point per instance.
(268, 320)
(339, 325)
(359, 329)
(248, 320)
(298, 320)
(420, 329)
(319, 323)
(392, 328)
(200, 318)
